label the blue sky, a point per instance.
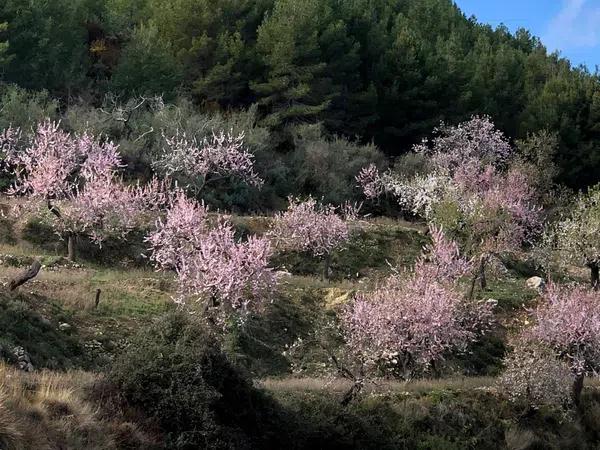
(570, 26)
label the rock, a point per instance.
(44, 320)
(23, 359)
(64, 327)
(537, 283)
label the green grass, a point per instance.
(512, 294)
(371, 250)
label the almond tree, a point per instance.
(576, 238)
(413, 320)
(309, 227)
(214, 269)
(211, 159)
(473, 190)
(568, 321)
(533, 374)
(75, 178)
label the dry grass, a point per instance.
(49, 410)
(123, 292)
(341, 385)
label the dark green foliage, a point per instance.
(176, 372)
(482, 358)
(385, 71)
(439, 420)
(147, 66)
(21, 325)
(48, 43)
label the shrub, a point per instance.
(177, 373)
(535, 376)
(327, 167)
(23, 109)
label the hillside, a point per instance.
(461, 410)
(284, 224)
(382, 70)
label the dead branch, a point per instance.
(25, 276)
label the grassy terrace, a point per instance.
(462, 409)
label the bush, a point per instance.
(534, 376)
(24, 109)
(326, 167)
(177, 373)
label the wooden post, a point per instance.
(25, 276)
(71, 247)
(97, 302)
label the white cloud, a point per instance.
(576, 26)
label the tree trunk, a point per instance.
(71, 250)
(353, 392)
(479, 275)
(97, 301)
(595, 275)
(577, 388)
(25, 276)
(482, 279)
(326, 267)
(472, 287)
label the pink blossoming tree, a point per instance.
(533, 374)
(568, 321)
(411, 322)
(473, 190)
(307, 226)
(75, 178)
(213, 268)
(211, 159)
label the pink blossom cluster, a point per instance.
(470, 172)
(103, 207)
(409, 323)
(100, 159)
(568, 321)
(222, 154)
(441, 259)
(76, 176)
(46, 168)
(212, 267)
(498, 206)
(309, 226)
(370, 181)
(476, 139)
